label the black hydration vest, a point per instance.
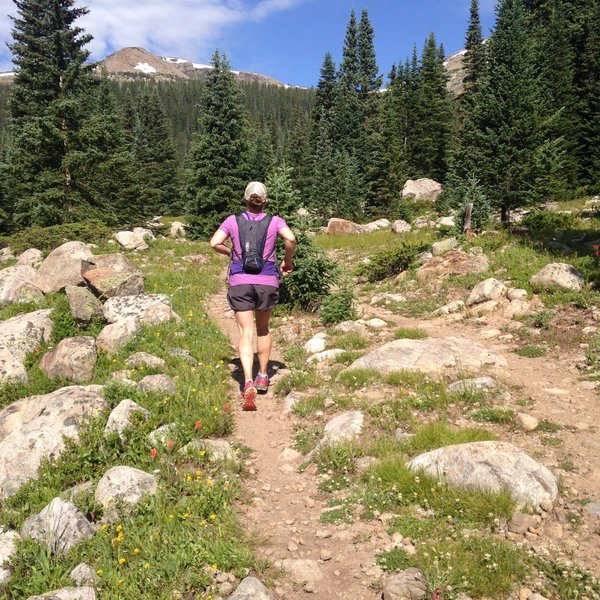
(253, 235)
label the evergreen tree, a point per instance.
(261, 156)
(325, 95)
(474, 60)
(505, 139)
(284, 198)
(218, 159)
(323, 193)
(50, 99)
(369, 79)
(156, 164)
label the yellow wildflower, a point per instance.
(186, 515)
(214, 567)
(104, 527)
(99, 572)
(120, 581)
(122, 560)
(203, 523)
(136, 550)
(188, 478)
(119, 527)
(171, 517)
(146, 565)
(212, 517)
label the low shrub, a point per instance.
(545, 222)
(390, 262)
(338, 307)
(48, 238)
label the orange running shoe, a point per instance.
(249, 396)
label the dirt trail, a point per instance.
(287, 505)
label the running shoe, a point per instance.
(261, 383)
(249, 396)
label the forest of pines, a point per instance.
(76, 145)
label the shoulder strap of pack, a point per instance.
(264, 227)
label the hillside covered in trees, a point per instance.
(77, 145)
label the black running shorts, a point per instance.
(249, 296)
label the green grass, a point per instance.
(192, 514)
(297, 381)
(349, 341)
(356, 379)
(531, 351)
(409, 333)
(492, 414)
(306, 437)
(309, 406)
(347, 357)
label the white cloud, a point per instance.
(188, 28)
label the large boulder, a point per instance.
(116, 335)
(16, 285)
(8, 547)
(83, 304)
(558, 275)
(344, 427)
(121, 417)
(34, 428)
(150, 309)
(400, 226)
(440, 248)
(380, 224)
(421, 189)
(145, 233)
(251, 588)
(115, 262)
(12, 370)
(454, 262)
(486, 290)
(31, 258)
(158, 384)
(177, 230)
(492, 467)
(342, 226)
(409, 584)
(23, 333)
(108, 283)
(73, 359)
(59, 526)
(131, 241)
(431, 355)
(62, 267)
(123, 488)
(147, 360)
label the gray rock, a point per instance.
(83, 574)
(116, 335)
(405, 585)
(115, 262)
(492, 467)
(12, 370)
(423, 222)
(431, 355)
(516, 294)
(148, 360)
(342, 226)
(451, 307)
(183, 354)
(302, 570)
(73, 359)
(150, 309)
(378, 225)
(521, 523)
(440, 248)
(488, 289)
(593, 508)
(62, 267)
(16, 286)
(216, 449)
(251, 588)
(558, 275)
(527, 422)
(130, 240)
(83, 304)
(376, 323)
(123, 488)
(517, 308)
(68, 593)
(325, 355)
(34, 428)
(400, 226)
(8, 547)
(108, 283)
(447, 222)
(162, 434)
(6, 254)
(469, 385)
(350, 327)
(121, 417)
(454, 262)
(344, 427)
(31, 258)
(291, 400)
(21, 334)
(145, 233)
(421, 189)
(59, 526)
(177, 230)
(162, 384)
(315, 344)
(387, 298)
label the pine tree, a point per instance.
(156, 165)
(474, 60)
(50, 99)
(284, 198)
(323, 193)
(505, 139)
(261, 155)
(217, 172)
(325, 95)
(369, 79)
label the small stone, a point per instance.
(292, 546)
(323, 534)
(309, 503)
(524, 594)
(226, 588)
(521, 523)
(527, 422)
(325, 554)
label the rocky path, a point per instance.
(338, 561)
(328, 561)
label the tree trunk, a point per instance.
(466, 224)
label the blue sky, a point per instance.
(285, 39)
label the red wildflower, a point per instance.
(226, 407)
(169, 444)
(198, 425)
(153, 453)
(596, 248)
